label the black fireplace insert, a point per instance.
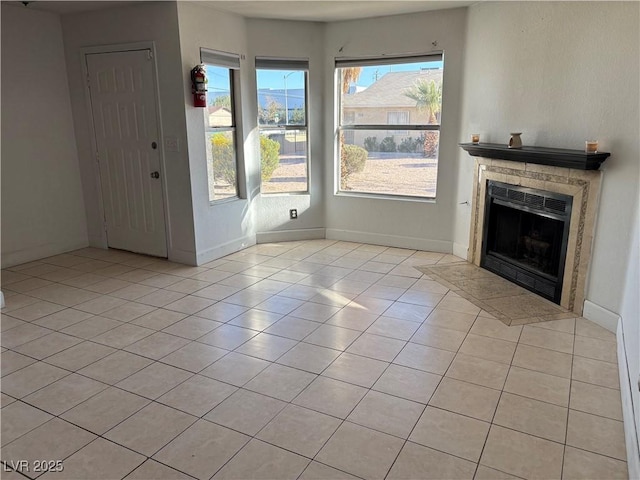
(525, 237)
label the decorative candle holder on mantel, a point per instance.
(515, 141)
(557, 157)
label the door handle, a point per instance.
(155, 174)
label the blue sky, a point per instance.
(368, 74)
(275, 79)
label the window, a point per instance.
(282, 121)
(398, 118)
(389, 128)
(220, 124)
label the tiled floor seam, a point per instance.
(427, 405)
(82, 428)
(491, 423)
(566, 427)
(344, 420)
(446, 371)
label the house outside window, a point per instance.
(350, 119)
(398, 118)
(389, 125)
(220, 124)
(283, 125)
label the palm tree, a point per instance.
(428, 97)
(349, 75)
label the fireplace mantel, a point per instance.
(556, 157)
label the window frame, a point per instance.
(231, 62)
(398, 129)
(298, 65)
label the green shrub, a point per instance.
(269, 157)
(371, 144)
(224, 159)
(388, 144)
(352, 160)
(410, 145)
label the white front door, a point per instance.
(123, 104)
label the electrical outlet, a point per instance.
(293, 213)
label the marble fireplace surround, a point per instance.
(582, 185)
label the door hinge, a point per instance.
(88, 80)
(149, 55)
(104, 225)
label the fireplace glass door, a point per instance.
(525, 237)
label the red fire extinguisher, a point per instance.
(199, 86)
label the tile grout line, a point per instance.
(491, 423)
(406, 342)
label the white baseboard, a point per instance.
(290, 235)
(601, 316)
(225, 249)
(182, 256)
(628, 415)
(460, 250)
(10, 259)
(390, 240)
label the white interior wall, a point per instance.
(412, 224)
(222, 227)
(152, 21)
(283, 39)
(561, 73)
(630, 318)
(42, 206)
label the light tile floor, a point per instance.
(311, 360)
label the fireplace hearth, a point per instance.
(525, 237)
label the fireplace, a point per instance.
(535, 196)
(525, 236)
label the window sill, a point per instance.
(376, 196)
(224, 201)
(285, 194)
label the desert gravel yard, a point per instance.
(400, 176)
(410, 174)
(390, 173)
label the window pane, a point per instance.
(219, 111)
(221, 165)
(394, 160)
(370, 94)
(390, 163)
(281, 97)
(283, 152)
(283, 161)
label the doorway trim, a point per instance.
(117, 48)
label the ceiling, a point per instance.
(64, 7)
(331, 10)
(309, 10)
